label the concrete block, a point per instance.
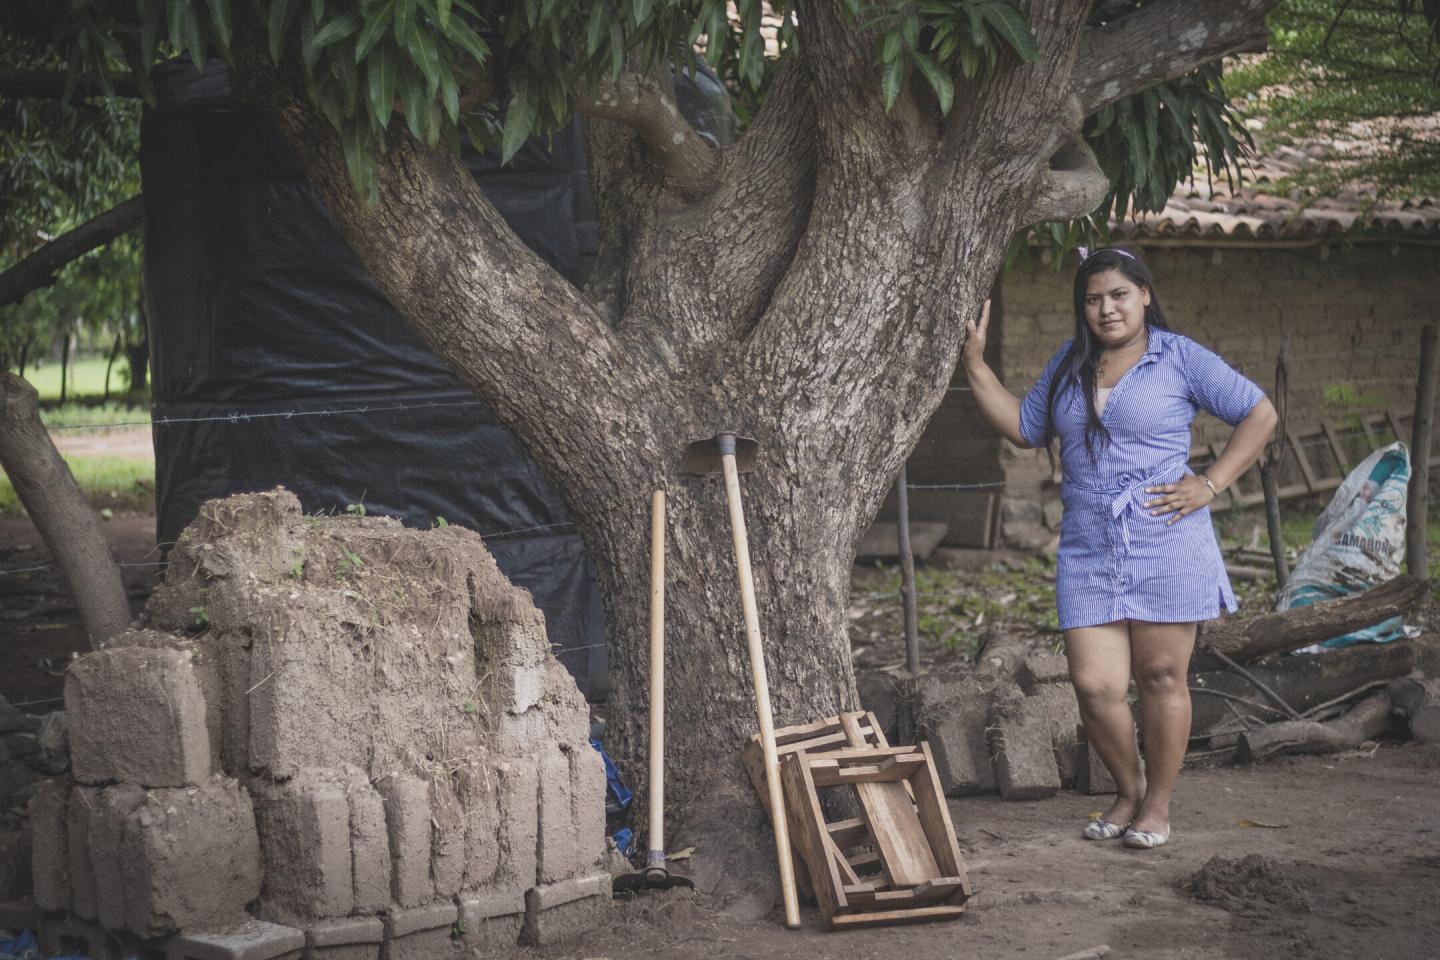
(1042, 668)
(1091, 776)
(16, 874)
(136, 715)
(1057, 702)
(421, 933)
(248, 940)
(305, 824)
(77, 836)
(482, 826)
(447, 838)
(953, 720)
(349, 938)
(19, 914)
(107, 853)
(559, 856)
(587, 787)
(50, 847)
(68, 935)
(517, 783)
(193, 859)
(407, 823)
(1022, 747)
(369, 848)
(559, 911)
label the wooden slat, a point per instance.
(808, 833)
(754, 762)
(862, 755)
(1369, 432)
(847, 833)
(865, 896)
(847, 873)
(864, 860)
(885, 918)
(935, 819)
(1336, 450)
(889, 770)
(1394, 422)
(890, 814)
(879, 736)
(1306, 470)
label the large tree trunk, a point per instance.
(807, 288)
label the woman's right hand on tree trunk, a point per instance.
(973, 353)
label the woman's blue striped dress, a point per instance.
(1116, 561)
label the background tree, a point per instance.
(806, 287)
(1361, 78)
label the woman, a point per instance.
(1138, 561)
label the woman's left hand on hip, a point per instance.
(1181, 499)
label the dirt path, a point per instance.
(1355, 874)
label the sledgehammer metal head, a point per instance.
(707, 456)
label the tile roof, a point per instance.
(1212, 213)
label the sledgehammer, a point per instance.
(729, 455)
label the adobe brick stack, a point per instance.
(333, 732)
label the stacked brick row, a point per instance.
(332, 736)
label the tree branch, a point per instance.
(645, 106)
(1162, 41)
(39, 269)
(1073, 186)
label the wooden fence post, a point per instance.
(1270, 470)
(907, 573)
(1416, 504)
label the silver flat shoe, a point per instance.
(1145, 839)
(1098, 829)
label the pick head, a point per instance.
(707, 456)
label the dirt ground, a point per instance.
(1349, 865)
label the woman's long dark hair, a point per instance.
(1084, 353)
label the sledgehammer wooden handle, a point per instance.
(762, 690)
(655, 856)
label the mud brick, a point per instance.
(15, 869)
(407, 822)
(50, 847)
(192, 859)
(1057, 702)
(1090, 773)
(19, 915)
(421, 933)
(489, 921)
(369, 848)
(136, 715)
(517, 782)
(349, 938)
(1039, 669)
(559, 857)
(1022, 746)
(482, 827)
(306, 828)
(107, 855)
(955, 729)
(447, 838)
(587, 788)
(71, 936)
(77, 836)
(559, 911)
(249, 940)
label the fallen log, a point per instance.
(1304, 681)
(1417, 702)
(1366, 722)
(1287, 630)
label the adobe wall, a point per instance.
(1353, 316)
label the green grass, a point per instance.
(115, 482)
(88, 379)
(94, 418)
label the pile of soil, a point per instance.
(1251, 887)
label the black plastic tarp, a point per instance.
(276, 359)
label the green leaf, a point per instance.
(451, 94)
(890, 78)
(178, 14)
(345, 71)
(442, 15)
(150, 13)
(404, 17)
(317, 10)
(595, 29)
(338, 28)
(412, 95)
(1012, 26)
(940, 80)
(282, 14)
(357, 154)
(471, 41)
(519, 120)
(421, 45)
(639, 11)
(890, 47)
(220, 20)
(375, 25)
(381, 69)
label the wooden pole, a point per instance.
(1416, 503)
(1270, 470)
(907, 574)
(655, 854)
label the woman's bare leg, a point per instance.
(1160, 659)
(1100, 669)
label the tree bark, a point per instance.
(1364, 722)
(39, 268)
(66, 523)
(1286, 630)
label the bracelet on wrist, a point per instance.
(1213, 492)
